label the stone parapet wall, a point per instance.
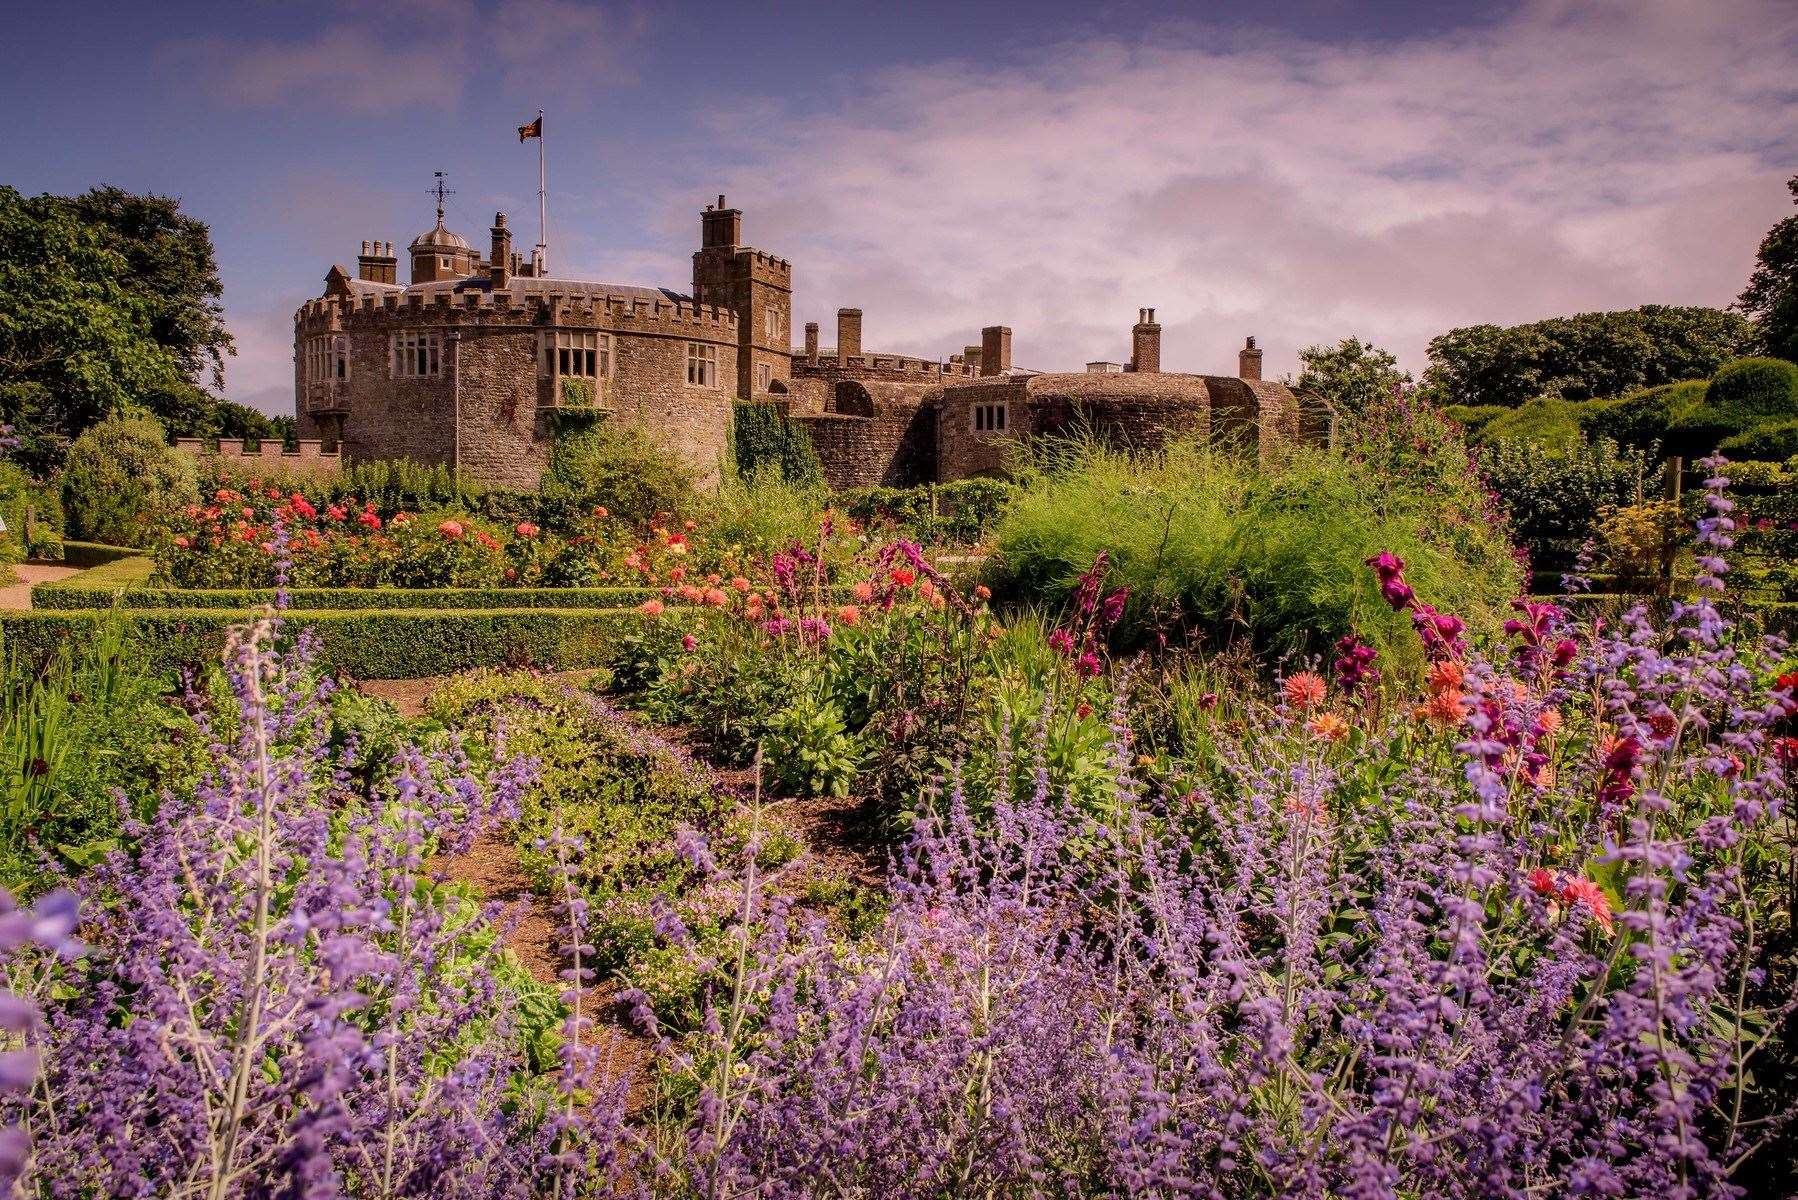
(309, 455)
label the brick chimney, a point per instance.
(995, 350)
(499, 262)
(1145, 342)
(1248, 361)
(720, 227)
(811, 342)
(377, 264)
(971, 356)
(849, 334)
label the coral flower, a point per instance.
(525, 529)
(1588, 895)
(1328, 726)
(450, 529)
(183, 541)
(1445, 708)
(1549, 722)
(650, 608)
(715, 597)
(849, 614)
(676, 574)
(1446, 676)
(599, 510)
(1542, 882)
(864, 591)
(337, 512)
(738, 583)
(982, 592)
(1304, 689)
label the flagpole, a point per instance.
(542, 211)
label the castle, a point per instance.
(477, 360)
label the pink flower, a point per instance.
(715, 597)
(599, 510)
(525, 529)
(1088, 664)
(849, 614)
(738, 583)
(1303, 690)
(688, 642)
(1061, 641)
(1588, 895)
(1542, 881)
(450, 529)
(864, 591)
(651, 608)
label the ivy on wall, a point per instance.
(762, 436)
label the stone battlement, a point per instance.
(481, 306)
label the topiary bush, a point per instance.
(1554, 498)
(1751, 390)
(1640, 420)
(1546, 421)
(1473, 418)
(120, 476)
(1772, 441)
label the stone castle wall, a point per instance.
(309, 455)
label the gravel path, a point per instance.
(16, 597)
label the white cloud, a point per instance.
(1579, 155)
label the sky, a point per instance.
(1298, 170)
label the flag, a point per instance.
(533, 130)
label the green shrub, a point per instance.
(1751, 390)
(764, 512)
(119, 476)
(1771, 441)
(126, 581)
(616, 466)
(1473, 418)
(958, 513)
(1641, 420)
(762, 436)
(1546, 421)
(1207, 541)
(810, 750)
(1555, 498)
(377, 644)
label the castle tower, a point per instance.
(757, 286)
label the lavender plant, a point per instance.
(1504, 942)
(281, 999)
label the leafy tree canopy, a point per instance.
(1352, 374)
(1583, 357)
(1771, 296)
(108, 304)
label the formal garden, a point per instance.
(1405, 816)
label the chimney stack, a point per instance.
(377, 264)
(811, 342)
(499, 262)
(1145, 342)
(1249, 361)
(720, 227)
(995, 350)
(849, 335)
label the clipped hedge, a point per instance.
(94, 554)
(371, 644)
(98, 588)
(963, 512)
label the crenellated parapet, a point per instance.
(613, 312)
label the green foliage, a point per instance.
(763, 437)
(1351, 375)
(1771, 441)
(1209, 543)
(120, 476)
(764, 512)
(377, 644)
(1591, 355)
(1771, 296)
(577, 393)
(1545, 422)
(1555, 497)
(1473, 418)
(109, 303)
(1754, 389)
(960, 513)
(126, 582)
(82, 725)
(809, 748)
(619, 467)
(1642, 419)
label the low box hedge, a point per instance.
(98, 589)
(368, 644)
(94, 554)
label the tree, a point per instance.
(1582, 357)
(1771, 296)
(1351, 375)
(121, 475)
(108, 304)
